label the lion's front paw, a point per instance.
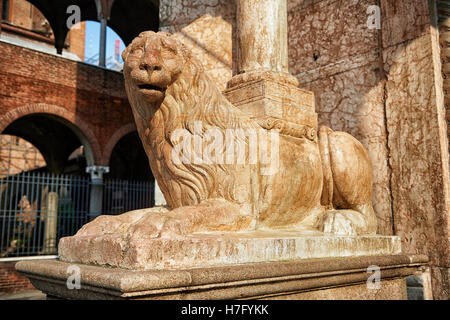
(117, 224)
(159, 226)
(103, 225)
(338, 223)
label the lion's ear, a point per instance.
(125, 53)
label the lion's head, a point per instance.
(153, 62)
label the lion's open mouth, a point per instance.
(146, 87)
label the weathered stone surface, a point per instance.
(209, 38)
(266, 96)
(413, 130)
(390, 290)
(180, 12)
(217, 249)
(302, 279)
(328, 32)
(403, 21)
(262, 35)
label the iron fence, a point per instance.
(37, 209)
(120, 196)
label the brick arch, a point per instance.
(119, 134)
(76, 124)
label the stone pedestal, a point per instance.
(275, 101)
(326, 278)
(228, 266)
(116, 250)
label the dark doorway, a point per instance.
(129, 161)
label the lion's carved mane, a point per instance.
(192, 97)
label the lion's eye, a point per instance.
(138, 51)
(168, 54)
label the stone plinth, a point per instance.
(217, 249)
(275, 101)
(328, 278)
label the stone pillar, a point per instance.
(1, 10)
(96, 195)
(51, 223)
(102, 50)
(263, 87)
(262, 35)
(103, 14)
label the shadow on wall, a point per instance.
(385, 88)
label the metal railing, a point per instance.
(38, 209)
(121, 196)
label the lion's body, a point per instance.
(190, 184)
(169, 91)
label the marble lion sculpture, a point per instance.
(322, 184)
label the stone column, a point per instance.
(102, 49)
(51, 223)
(96, 195)
(262, 35)
(103, 15)
(263, 87)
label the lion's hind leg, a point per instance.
(347, 191)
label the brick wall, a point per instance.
(93, 99)
(76, 37)
(11, 281)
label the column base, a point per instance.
(275, 101)
(327, 278)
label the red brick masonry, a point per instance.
(91, 98)
(11, 281)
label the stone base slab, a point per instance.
(328, 278)
(218, 249)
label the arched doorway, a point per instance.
(114, 46)
(128, 160)
(130, 183)
(43, 204)
(57, 140)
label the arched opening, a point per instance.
(128, 160)
(18, 155)
(62, 145)
(114, 46)
(130, 183)
(143, 14)
(44, 195)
